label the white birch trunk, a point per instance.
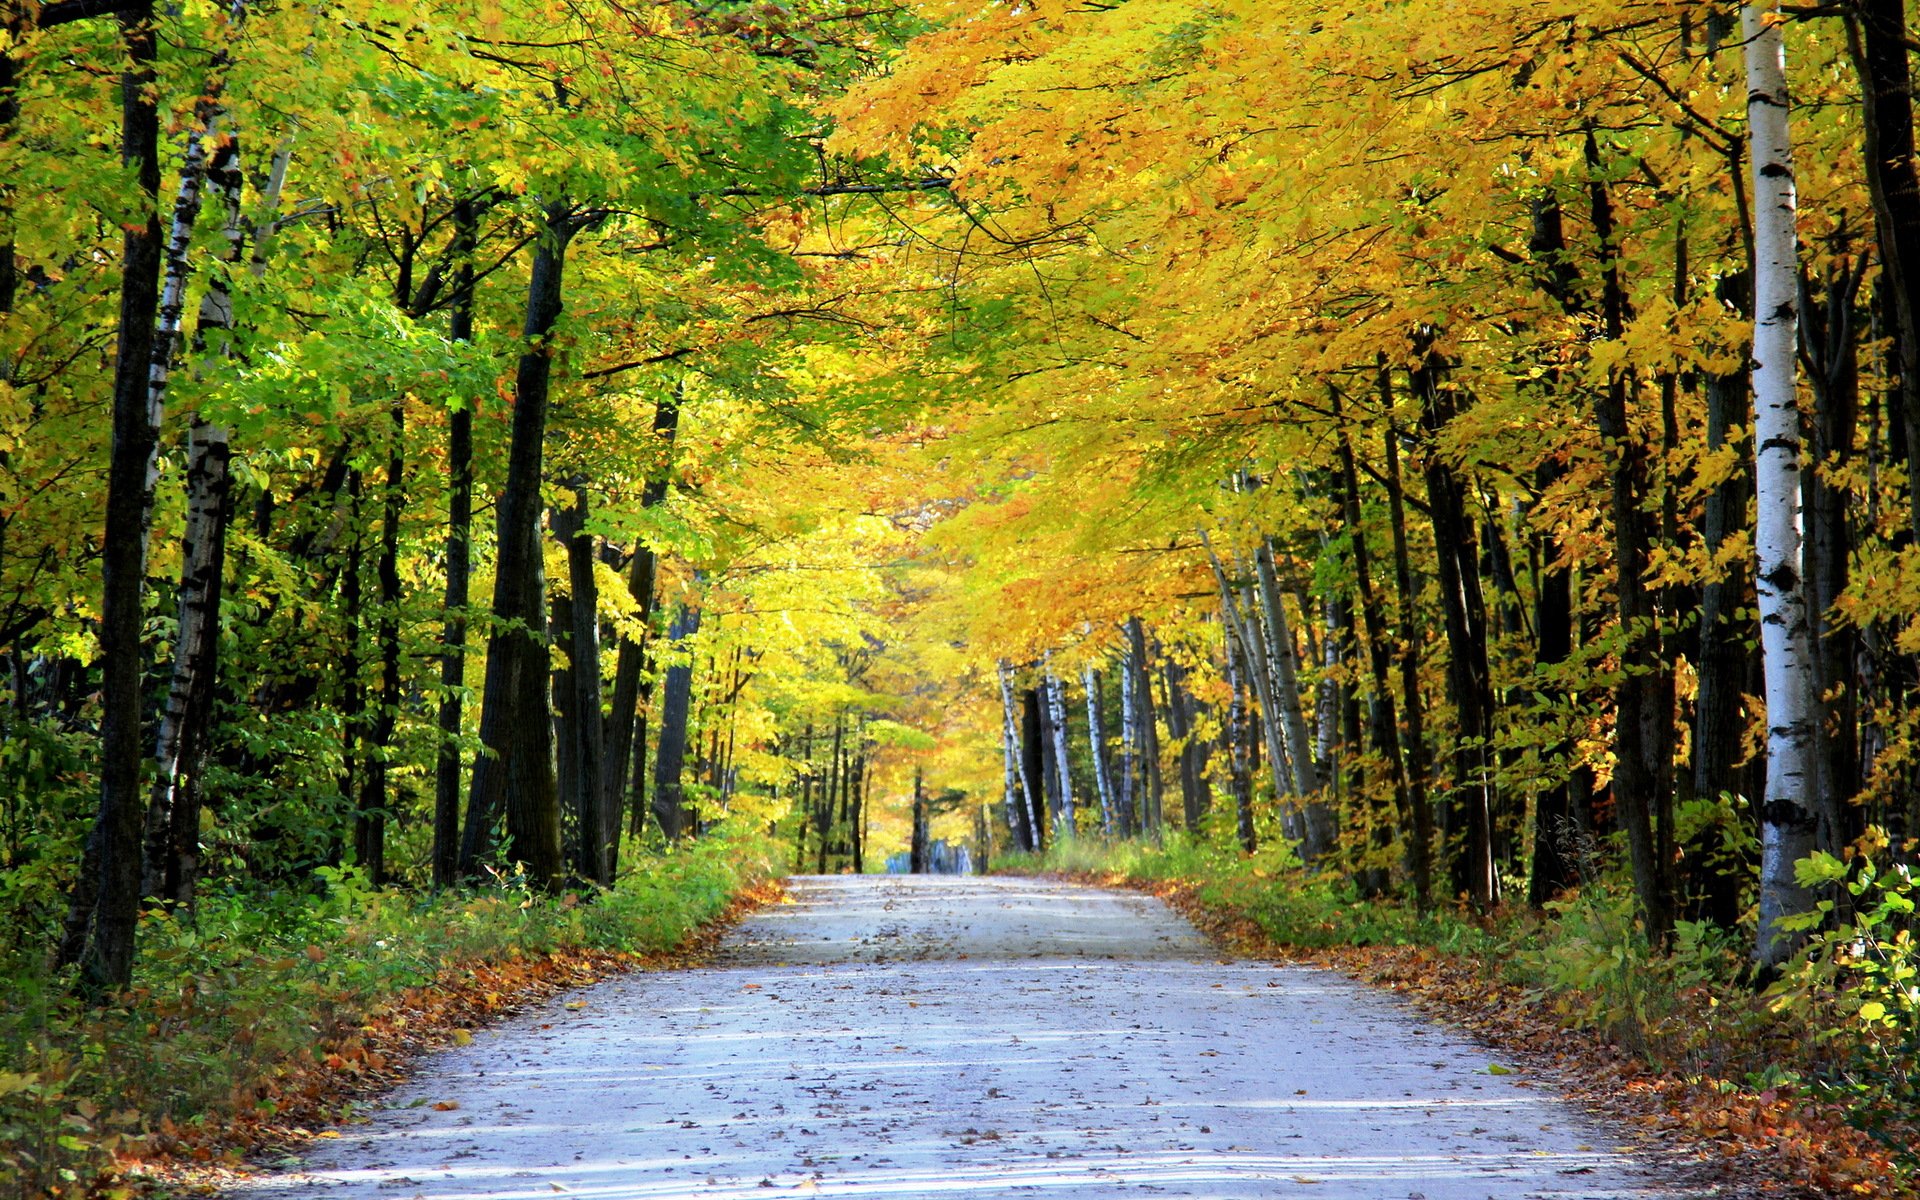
(1286, 676)
(1097, 739)
(1787, 817)
(1056, 701)
(1248, 634)
(1016, 783)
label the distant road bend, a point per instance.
(894, 1036)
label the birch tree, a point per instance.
(1788, 816)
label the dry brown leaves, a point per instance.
(1757, 1143)
(321, 1086)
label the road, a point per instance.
(890, 1036)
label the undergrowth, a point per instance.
(225, 1004)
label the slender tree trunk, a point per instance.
(1097, 745)
(670, 807)
(1152, 817)
(516, 772)
(917, 854)
(1057, 717)
(625, 701)
(1464, 613)
(1129, 747)
(1788, 815)
(1319, 831)
(1719, 718)
(1382, 725)
(370, 825)
(595, 808)
(1181, 714)
(99, 931)
(1240, 734)
(459, 554)
(172, 854)
(1413, 745)
(1878, 40)
(353, 686)
(1033, 767)
(1557, 832)
(1829, 349)
(1636, 773)
(1018, 825)
(1251, 638)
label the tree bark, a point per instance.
(578, 722)
(1788, 815)
(1413, 745)
(99, 930)
(1152, 819)
(1319, 831)
(459, 554)
(370, 826)
(1382, 725)
(516, 772)
(1057, 718)
(1464, 613)
(917, 851)
(1018, 825)
(1033, 767)
(670, 806)
(1878, 41)
(1636, 771)
(641, 569)
(1097, 744)
(1239, 733)
(172, 855)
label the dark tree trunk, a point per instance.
(1830, 351)
(1413, 738)
(370, 828)
(625, 701)
(516, 771)
(99, 930)
(1878, 39)
(1636, 774)
(577, 725)
(1557, 830)
(1240, 735)
(917, 849)
(1382, 724)
(353, 687)
(1464, 614)
(453, 634)
(1147, 723)
(670, 806)
(1033, 766)
(1719, 717)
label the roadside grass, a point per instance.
(1767, 1083)
(273, 1009)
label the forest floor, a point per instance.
(895, 1036)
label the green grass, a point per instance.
(221, 1005)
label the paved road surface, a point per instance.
(957, 1037)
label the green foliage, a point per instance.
(1592, 963)
(1856, 983)
(224, 1002)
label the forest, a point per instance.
(496, 482)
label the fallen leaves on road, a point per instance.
(1769, 1142)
